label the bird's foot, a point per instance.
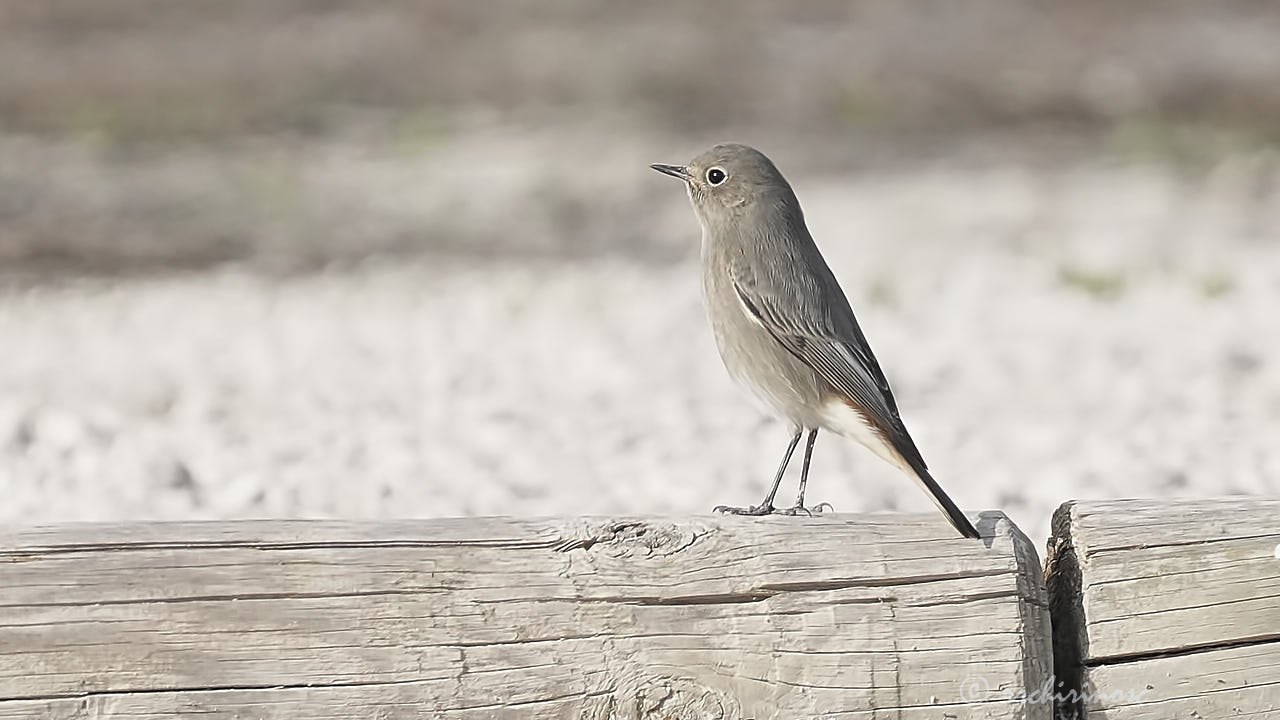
(753, 511)
(761, 510)
(806, 511)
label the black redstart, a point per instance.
(782, 323)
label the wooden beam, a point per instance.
(1168, 609)
(712, 617)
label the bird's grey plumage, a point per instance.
(782, 323)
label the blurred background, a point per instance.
(292, 258)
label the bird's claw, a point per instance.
(806, 511)
(762, 510)
(753, 511)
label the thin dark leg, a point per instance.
(766, 507)
(799, 507)
(804, 469)
(782, 468)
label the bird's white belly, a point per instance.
(841, 419)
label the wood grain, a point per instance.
(1169, 609)
(716, 617)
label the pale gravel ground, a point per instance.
(473, 387)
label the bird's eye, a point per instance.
(715, 176)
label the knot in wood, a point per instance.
(628, 538)
(667, 698)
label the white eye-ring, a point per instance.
(715, 176)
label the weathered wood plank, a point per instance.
(1169, 609)
(638, 618)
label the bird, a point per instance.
(783, 326)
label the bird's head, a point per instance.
(727, 179)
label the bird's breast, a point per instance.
(754, 358)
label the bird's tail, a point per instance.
(945, 504)
(896, 447)
(912, 464)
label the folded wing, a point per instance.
(816, 325)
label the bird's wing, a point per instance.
(811, 318)
(808, 314)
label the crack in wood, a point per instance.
(34, 552)
(245, 597)
(712, 599)
(1184, 651)
(1178, 544)
(213, 689)
(849, 583)
(1066, 614)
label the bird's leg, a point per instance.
(799, 507)
(804, 469)
(766, 506)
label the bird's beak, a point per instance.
(676, 171)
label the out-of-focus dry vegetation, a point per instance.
(166, 71)
(144, 134)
